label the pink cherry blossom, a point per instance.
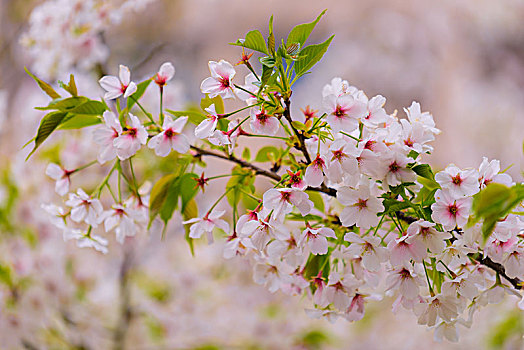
(314, 175)
(403, 250)
(207, 224)
(282, 200)
(489, 172)
(450, 212)
(344, 112)
(207, 127)
(263, 123)
(361, 206)
(368, 248)
(86, 241)
(317, 239)
(105, 135)
(458, 182)
(84, 208)
(61, 176)
(124, 220)
(131, 138)
(220, 81)
(118, 86)
(424, 232)
(170, 137)
(165, 74)
(343, 160)
(406, 281)
(376, 113)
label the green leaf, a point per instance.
(71, 87)
(79, 121)
(6, 275)
(48, 124)
(424, 170)
(301, 32)
(188, 189)
(267, 61)
(44, 86)
(266, 74)
(217, 101)
(246, 154)
(393, 205)
(298, 125)
(311, 55)
(171, 200)
(159, 194)
(90, 107)
(317, 200)
(140, 90)
(494, 203)
(65, 104)
(267, 154)
(193, 116)
(313, 265)
(242, 181)
(254, 41)
(271, 38)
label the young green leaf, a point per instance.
(217, 101)
(301, 32)
(48, 124)
(159, 194)
(44, 86)
(311, 55)
(254, 41)
(424, 170)
(79, 121)
(194, 117)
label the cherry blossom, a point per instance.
(361, 206)
(165, 74)
(282, 200)
(450, 212)
(84, 208)
(344, 112)
(207, 127)
(170, 137)
(220, 81)
(131, 138)
(262, 123)
(206, 224)
(317, 239)
(62, 177)
(118, 86)
(458, 182)
(105, 136)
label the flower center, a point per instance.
(393, 167)
(169, 133)
(339, 112)
(224, 81)
(453, 209)
(361, 204)
(457, 180)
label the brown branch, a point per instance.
(301, 139)
(498, 268)
(267, 173)
(241, 162)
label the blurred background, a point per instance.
(463, 61)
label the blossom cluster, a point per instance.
(352, 214)
(65, 34)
